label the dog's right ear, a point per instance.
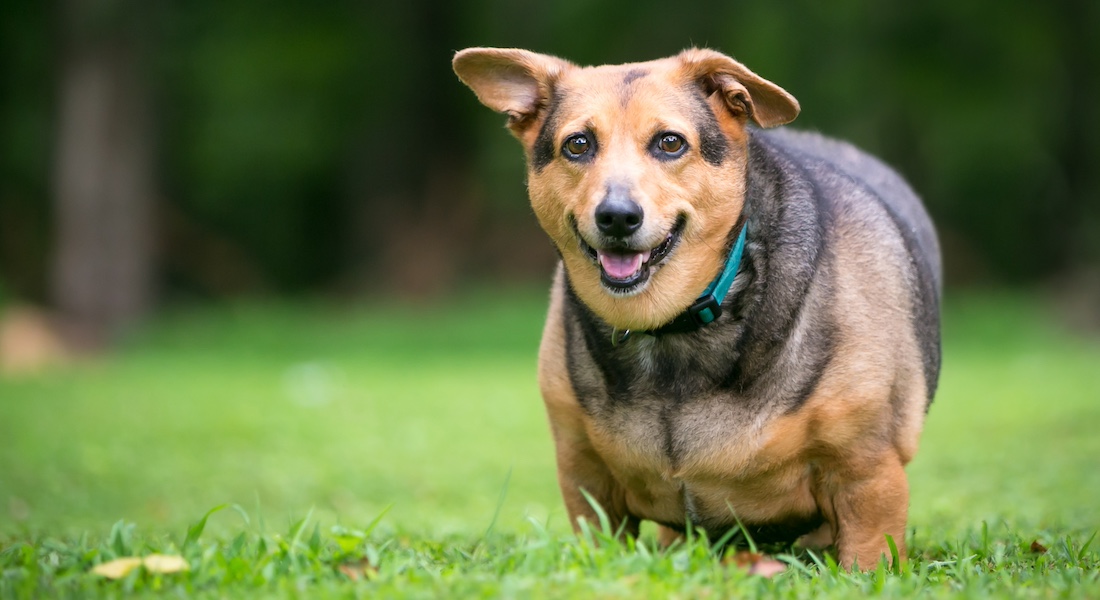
(510, 81)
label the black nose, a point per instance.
(618, 216)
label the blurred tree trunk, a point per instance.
(103, 262)
(417, 217)
(1080, 150)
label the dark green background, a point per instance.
(327, 147)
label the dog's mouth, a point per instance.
(625, 270)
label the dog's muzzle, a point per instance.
(625, 270)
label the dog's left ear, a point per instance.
(746, 93)
(510, 81)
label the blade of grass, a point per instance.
(605, 521)
(196, 528)
(297, 530)
(895, 557)
(376, 521)
(1085, 547)
(748, 538)
(500, 505)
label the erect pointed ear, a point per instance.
(746, 93)
(510, 81)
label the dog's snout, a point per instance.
(617, 215)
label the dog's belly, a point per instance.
(706, 460)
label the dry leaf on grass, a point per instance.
(356, 570)
(1038, 548)
(154, 563)
(117, 568)
(755, 563)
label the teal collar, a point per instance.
(708, 307)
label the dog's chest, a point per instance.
(679, 441)
(704, 458)
(675, 437)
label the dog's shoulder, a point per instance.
(825, 159)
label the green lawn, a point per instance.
(313, 420)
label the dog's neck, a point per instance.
(708, 307)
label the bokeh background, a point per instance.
(203, 204)
(161, 152)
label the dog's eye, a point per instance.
(670, 143)
(575, 146)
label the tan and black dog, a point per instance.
(745, 323)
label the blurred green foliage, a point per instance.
(307, 145)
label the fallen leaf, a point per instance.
(358, 569)
(1038, 548)
(353, 573)
(756, 564)
(165, 563)
(154, 563)
(117, 568)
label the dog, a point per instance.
(743, 328)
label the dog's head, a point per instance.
(636, 171)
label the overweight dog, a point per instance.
(744, 326)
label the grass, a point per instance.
(391, 451)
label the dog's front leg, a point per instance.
(867, 504)
(581, 468)
(667, 536)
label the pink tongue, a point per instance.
(622, 266)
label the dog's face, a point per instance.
(637, 171)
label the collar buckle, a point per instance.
(706, 310)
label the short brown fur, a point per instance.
(840, 454)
